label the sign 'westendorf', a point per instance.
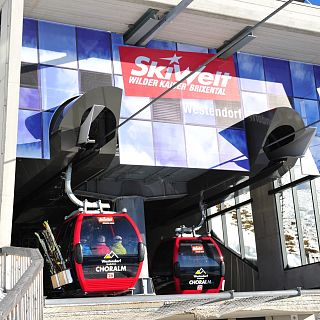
(149, 72)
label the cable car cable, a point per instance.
(227, 47)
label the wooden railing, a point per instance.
(21, 277)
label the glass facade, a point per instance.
(61, 61)
(235, 227)
(297, 199)
(313, 2)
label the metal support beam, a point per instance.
(167, 18)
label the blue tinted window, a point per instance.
(57, 85)
(29, 98)
(233, 150)
(278, 78)
(191, 48)
(57, 44)
(135, 143)
(308, 109)
(117, 41)
(314, 148)
(212, 50)
(29, 51)
(303, 81)
(315, 2)
(163, 45)
(29, 142)
(198, 111)
(251, 72)
(254, 103)
(202, 147)
(169, 144)
(317, 76)
(130, 105)
(46, 118)
(94, 50)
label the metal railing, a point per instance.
(242, 274)
(21, 277)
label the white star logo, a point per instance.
(173, 59)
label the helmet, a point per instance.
(101, 239)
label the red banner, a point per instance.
(150, 72)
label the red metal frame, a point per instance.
(177, 281)
(104, 285)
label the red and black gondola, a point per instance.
(188, 264)
(104, 252)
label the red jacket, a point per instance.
(100, 249)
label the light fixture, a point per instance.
(237, 44)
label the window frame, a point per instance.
(293, 184)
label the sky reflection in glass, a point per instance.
(57, 45)
(198, 111)
(303, 80)
(169, 144)
(163, 45)
(116, 42)
(317, 76)
(308, 109)
(29, 50)
(251, 72)
(94, 50)
(29, 98)
(46, 118)
(29, 140)
(201, 144)
(277, 72)
(233, 151)
(57, 85)
(191, 48)
(254, 103)
(130, 105)
(135, 143)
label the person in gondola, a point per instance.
(86, 249)
(117, 246)
(100, 248)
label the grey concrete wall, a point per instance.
(135, 208)
(10, 50)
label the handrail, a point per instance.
(24, 296)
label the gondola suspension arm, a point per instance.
(192, 230)
(85, 204)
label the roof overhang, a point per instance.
(292, 34)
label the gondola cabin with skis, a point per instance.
(104, 250)
(100, 252)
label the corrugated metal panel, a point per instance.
(29, 75)
(167, 110)
(90, 80)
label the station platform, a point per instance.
(297, 303)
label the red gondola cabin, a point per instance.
(104, 251)
(188, 265)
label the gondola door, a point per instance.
(198, 265)
(108, 252)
